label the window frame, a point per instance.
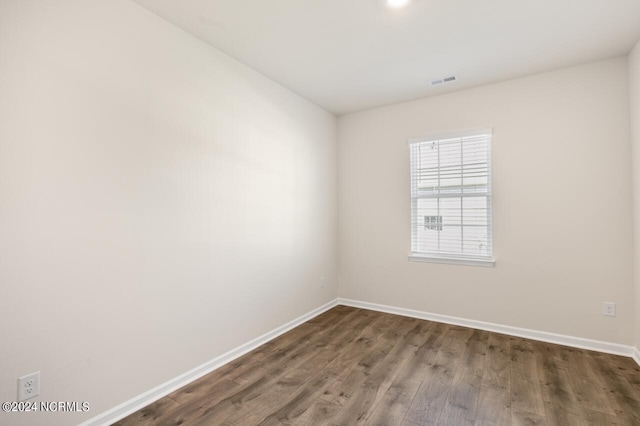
(436, 257)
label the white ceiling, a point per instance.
(350, 55)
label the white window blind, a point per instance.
(451, 197)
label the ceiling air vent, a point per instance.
(444, 80)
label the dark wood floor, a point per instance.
(351, 366)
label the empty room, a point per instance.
(319, 212)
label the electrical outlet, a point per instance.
(609, 309)
(28, 386)
(321, 282)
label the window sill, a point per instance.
(453, 260)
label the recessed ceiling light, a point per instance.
(397, 4)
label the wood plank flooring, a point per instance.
(352, 366)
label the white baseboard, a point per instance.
(577, 342)
(636, 355)
(128, 407)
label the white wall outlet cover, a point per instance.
(609, 309)
(28, 386)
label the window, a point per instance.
(451, 198)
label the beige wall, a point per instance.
(562, 210)
(634, 92)
(160, 203)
